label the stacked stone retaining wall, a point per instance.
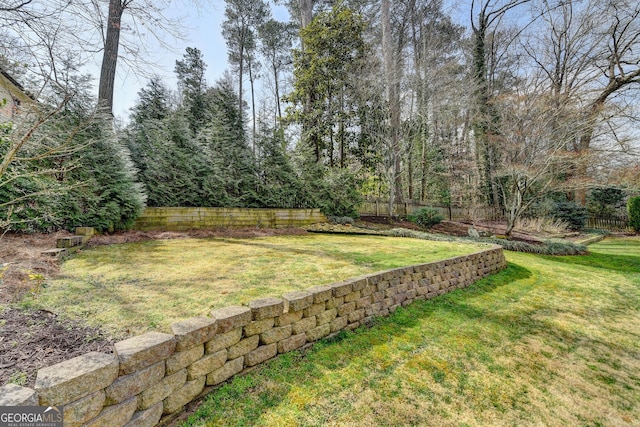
(151, 377)
(182, 219)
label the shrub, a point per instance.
(549, 247)
(572, 213)
(426, 218)
(633, 206)
(342, 220)
(605, 201)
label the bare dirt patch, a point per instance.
(30, 340)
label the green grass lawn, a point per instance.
(551, 341)
(132, 288)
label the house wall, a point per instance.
(12, 99)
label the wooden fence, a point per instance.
(613, 223)
(381, 208)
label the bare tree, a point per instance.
(588, 54)
(533, 158)
(486, 15)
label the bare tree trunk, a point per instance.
(110, 55)
(392, 99)
(253, 108)
(306, 12)
(277, 87)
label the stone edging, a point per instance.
(154, 375)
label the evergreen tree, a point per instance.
(193, 86)
(280, 186)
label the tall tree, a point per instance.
(485, 17)
(324, 97)
(243, 18)
(190, 73)
(276, 40)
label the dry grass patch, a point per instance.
(131, 288)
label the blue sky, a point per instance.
(203, 30)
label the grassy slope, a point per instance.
(141, 286)
(550, 341)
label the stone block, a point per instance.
(352, 326)
(341, 289)
(195, 331)
(147, 418)
(232, 317)
(207, 364)
(339, 323)
(334, 302)
(363, 302)
(82, 410)
(292, 343)
(345, 309)
(75, 378)
(303, 325)
(298, 300)
(313, 310)
(372, 310)
(130, 385)
(258, 326)
(368, 290)
(377, 296)
(326, 316)
(260, 354)
(144, 350)
(229, 369)
(185, 394)
(182, 359)
(320, 293)
(15, 395)
(288, 318)
(352, 296)
(243, 347)
(160, 391)
(319, 332)
(275, 334)
(115, 415)
(266, 308)
(399, 298)
(383, 285)
(356, 315)
(224, 340)
(358, 283)
(423, 290)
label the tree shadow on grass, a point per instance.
(619, 263)
(339, 352)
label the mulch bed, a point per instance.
(30, 340)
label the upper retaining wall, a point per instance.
(182, 219)
(154, 375)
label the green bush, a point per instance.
(633, 206)
(426, 218)
(572, 213)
